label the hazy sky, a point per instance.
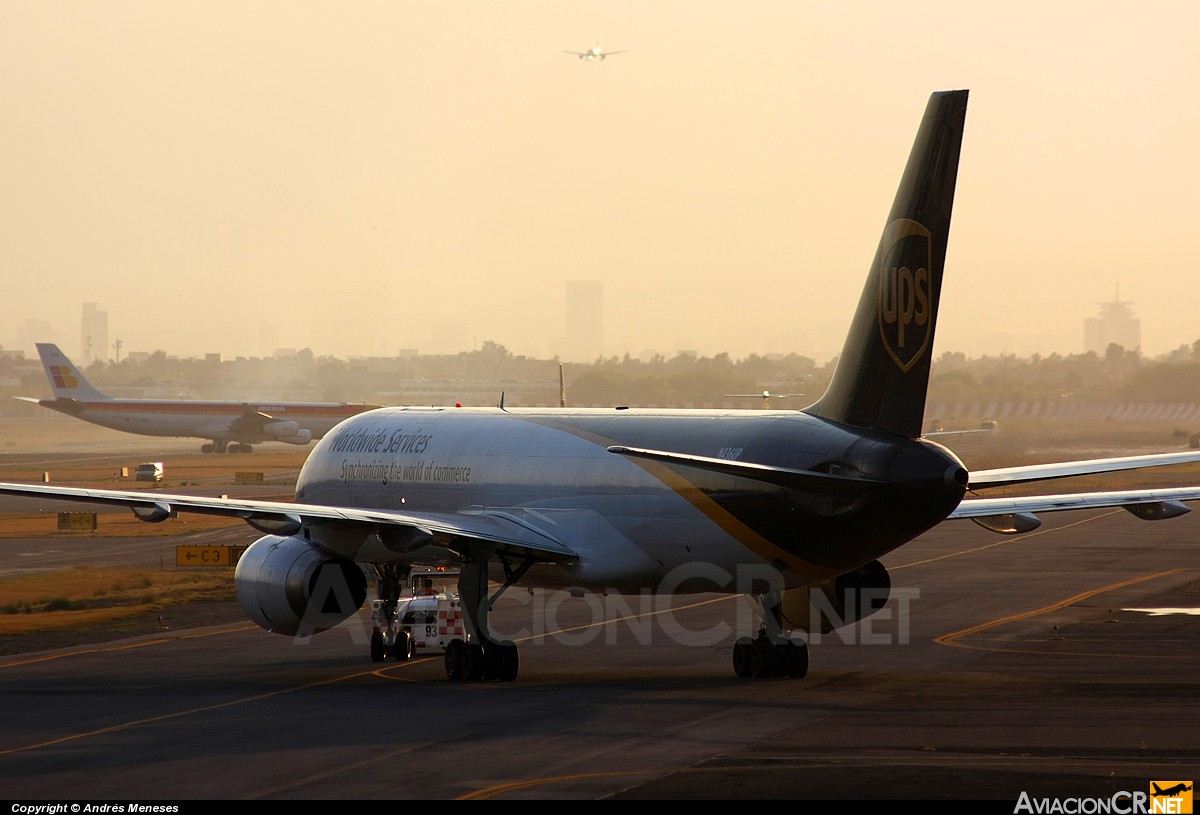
(357, 174)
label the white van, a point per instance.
(150, 471)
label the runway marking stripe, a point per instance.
(951, 639)
(1006, 541)
(76, 652)
(181, 713)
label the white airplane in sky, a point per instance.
(794, 509)
(229, 426)
(594, 53)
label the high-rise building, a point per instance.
(585, 321)
(33, 332)
(93, 341)
(1115, 325)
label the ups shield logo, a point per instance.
(905, 291)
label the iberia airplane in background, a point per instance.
(793, 508)
(230, 426)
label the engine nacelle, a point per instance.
(281, 430)
(301, 437)
(839, 601)
(289, 586)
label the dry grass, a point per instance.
(85, 597)
(110, 524)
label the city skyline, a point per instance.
(585, 321)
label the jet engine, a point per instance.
(287, 431)
(839, 601)
(290, 586)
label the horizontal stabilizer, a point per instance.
(1005, 476)
(780, 476)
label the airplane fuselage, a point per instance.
(640, 524)
(203, 419)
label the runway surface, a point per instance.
(1000, 666)
(1032, 664)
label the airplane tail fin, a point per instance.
(67, 381)
(883, 372)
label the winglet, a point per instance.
(883, 373)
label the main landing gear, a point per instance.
(225, 447)
(770, 654)
(480, 656)
(386, 640)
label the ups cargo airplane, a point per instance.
(230, 426)
(791, 507)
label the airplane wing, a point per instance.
(507, 531)
(251, 420)
(1139, 502)
(1016, 515)
(1012, 516)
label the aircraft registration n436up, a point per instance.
(794, 508)
(229, 426)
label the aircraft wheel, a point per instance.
(402, 648)
(508, 662)
(456, 660)
(473, 662)
(797, 660)
(491, 662)
(377, 647)
(762, 658)
(742, 663)
(207, 448)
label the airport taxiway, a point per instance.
(1002, 665)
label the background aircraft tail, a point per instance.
(66, 380)
(883, 372)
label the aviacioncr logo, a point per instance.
(905, 291)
